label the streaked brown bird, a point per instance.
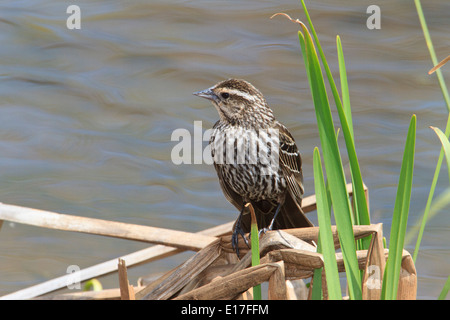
(256, 159)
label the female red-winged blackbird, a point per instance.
(256, 159)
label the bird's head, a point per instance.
(238, 101)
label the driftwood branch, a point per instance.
(182, 275)
(126, 290)
(52, 220)
(232, 285)
(133, 259)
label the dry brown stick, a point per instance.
(309, 203)
(126, 290)
(309, 234)
(439, 65)
(47, 219)
(52, 220)
(133, 259)
(306, 260)
(217, 269)
(272, 240)
(106, 294)
(301, 263)
(182, 275)
(407, 284)
(287, 16)
(374, 268)
(277, 283)
(324, 285)
(230, 286)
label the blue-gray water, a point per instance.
(86, 116)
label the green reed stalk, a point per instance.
(333, 162)
(445, 146)
(445, 290)
(434, 59)
(400, 217)
(326, 243)
(337, 194)
(361, 208)
(445, 94)
(254, 240)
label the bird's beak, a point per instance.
(207, 94)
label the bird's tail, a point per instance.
(290, 216)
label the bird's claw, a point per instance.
(269, 228)
(263, 230)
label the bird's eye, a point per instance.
(225, 95)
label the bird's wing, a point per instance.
(291, 163)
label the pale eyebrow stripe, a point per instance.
(239, 93)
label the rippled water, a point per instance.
(86, 116)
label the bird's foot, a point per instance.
(235, 239)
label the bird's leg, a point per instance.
(273, 220)
(238, 231)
